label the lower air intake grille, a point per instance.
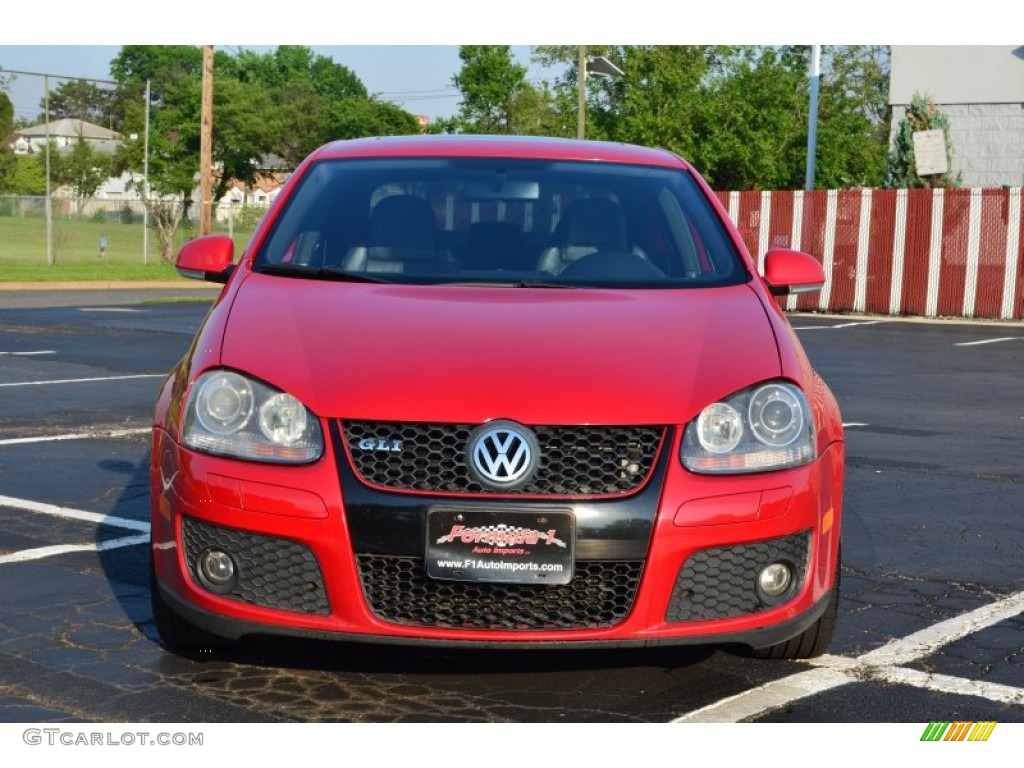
(721, 582)
(398, 591)
(272, 572)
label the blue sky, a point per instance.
(416, 77)
(407, 50)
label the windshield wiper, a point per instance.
(317, 273)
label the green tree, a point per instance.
(80, 100)
(922, 115)
(175, 77)
(27, 176)
(288, 102)
(854, 117)
(313, 100)
(246, 128)
(538, 111)
(739, 113)
(490, 81)
(355, 117)
(659, 99)
(752, 128)
(83, 171)
(6, 115)
(290, 66)
(7, 158)
(19, 174)
(563, 93)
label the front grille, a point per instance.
(721, 582)
(272, 572)
(574, 461)
(600, 594)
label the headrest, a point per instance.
(596, 223)
(403, 221)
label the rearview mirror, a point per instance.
(209, 258)
(789, 272)
(502, 186)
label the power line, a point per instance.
(426, 90)
(57, 77)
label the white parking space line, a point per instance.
(77, 436)
(957, 686)
(26, 555)
(846, 425)
(110, 309)
(881, 663)
(764, 698)
(857, 324)
(29, 354)
(927, 641)
(74, 514)
(81, 381)
(986, 341)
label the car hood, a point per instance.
(467, 354)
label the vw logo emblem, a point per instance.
(502, 454)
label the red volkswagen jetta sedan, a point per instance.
(497, 392)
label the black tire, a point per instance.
(176, 633)
(814, 640)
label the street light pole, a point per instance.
(49, 201)
(812, 117)
(598, 66)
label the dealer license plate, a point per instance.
(510, 546)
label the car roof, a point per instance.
(545, 148)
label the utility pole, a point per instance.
(206, 146)
(581, 92)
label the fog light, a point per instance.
(216, 570)
(775, 580)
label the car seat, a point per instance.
(402, 238)
(589, 225)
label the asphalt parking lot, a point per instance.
(931, 615)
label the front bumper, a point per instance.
(692, 557)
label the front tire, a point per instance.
(176, 633)
(814, 640)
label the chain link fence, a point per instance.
(78, 227)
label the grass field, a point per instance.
(76, 250)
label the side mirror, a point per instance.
(209, 258)
(789, 272)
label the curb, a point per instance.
(919, 319)
(112, 285)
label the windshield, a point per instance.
(501, 221)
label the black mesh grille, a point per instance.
(272, 572)
(574, 461)
(721, 582)
(599, 595)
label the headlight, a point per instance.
(757, 430)
(229, 414)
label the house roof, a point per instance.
(70, 127)
(106, 147)
(267, 184)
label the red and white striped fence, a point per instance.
(936, 253)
